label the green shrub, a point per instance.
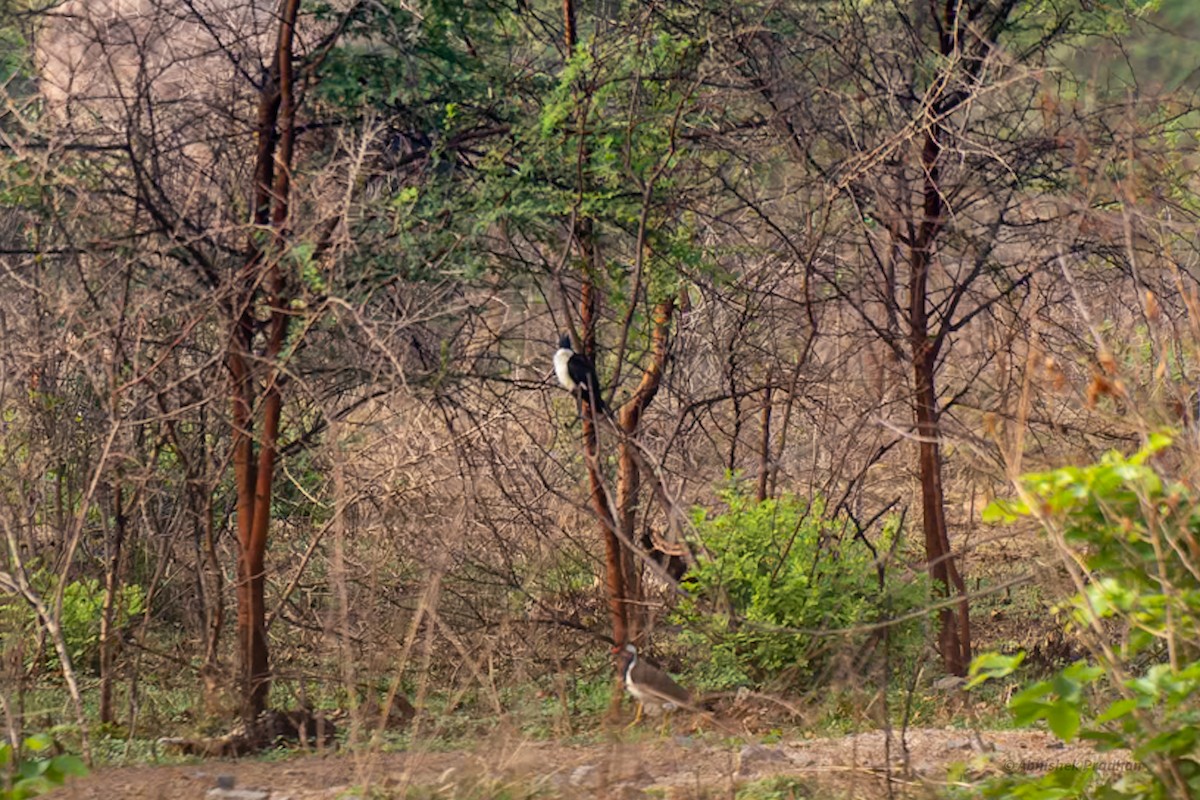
(39, 772)
(1129, 537)
(83, 605)
(777, 584)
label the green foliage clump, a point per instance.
(83, 605)
(82, 608)
(37, 773)
(1129, 537)
(781, 586)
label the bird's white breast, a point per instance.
(561, 369)
(649, 701)
(638, 694)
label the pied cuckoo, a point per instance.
(577, 375)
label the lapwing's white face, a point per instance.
(630, 656)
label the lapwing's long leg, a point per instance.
(636, 717)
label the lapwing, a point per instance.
(577, 375)
(649, 685)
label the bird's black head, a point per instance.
(565, 342)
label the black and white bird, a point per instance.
(653, 689)
(576, 374)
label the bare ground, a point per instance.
(678, 768)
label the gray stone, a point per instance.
(585, 775)
(757, 754)
(237, 794)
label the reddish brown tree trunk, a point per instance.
(253, 473)
(628, 485)
(629, 480)
(253, 661)
(954, 634)
(613, 567)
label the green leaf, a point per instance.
(1001, 510)
(1030, 693)
(70, 765)
(1119, 709)
(1063, 720)
(993, 665)
(39, 742)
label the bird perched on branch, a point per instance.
(577, 375)
(649, 685)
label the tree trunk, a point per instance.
(253, 661)
(618, 608)
(954, 634)
(628, 484)
(628, 475)
(764, 445)
(629, 479)
(253, 474)
(215, 610)
(112, 585)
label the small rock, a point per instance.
(753, 754)
(948, 683)
(225, 781)
(237, 794)
(585, 775)
(957, 744)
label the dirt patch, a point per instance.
(678, 767)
